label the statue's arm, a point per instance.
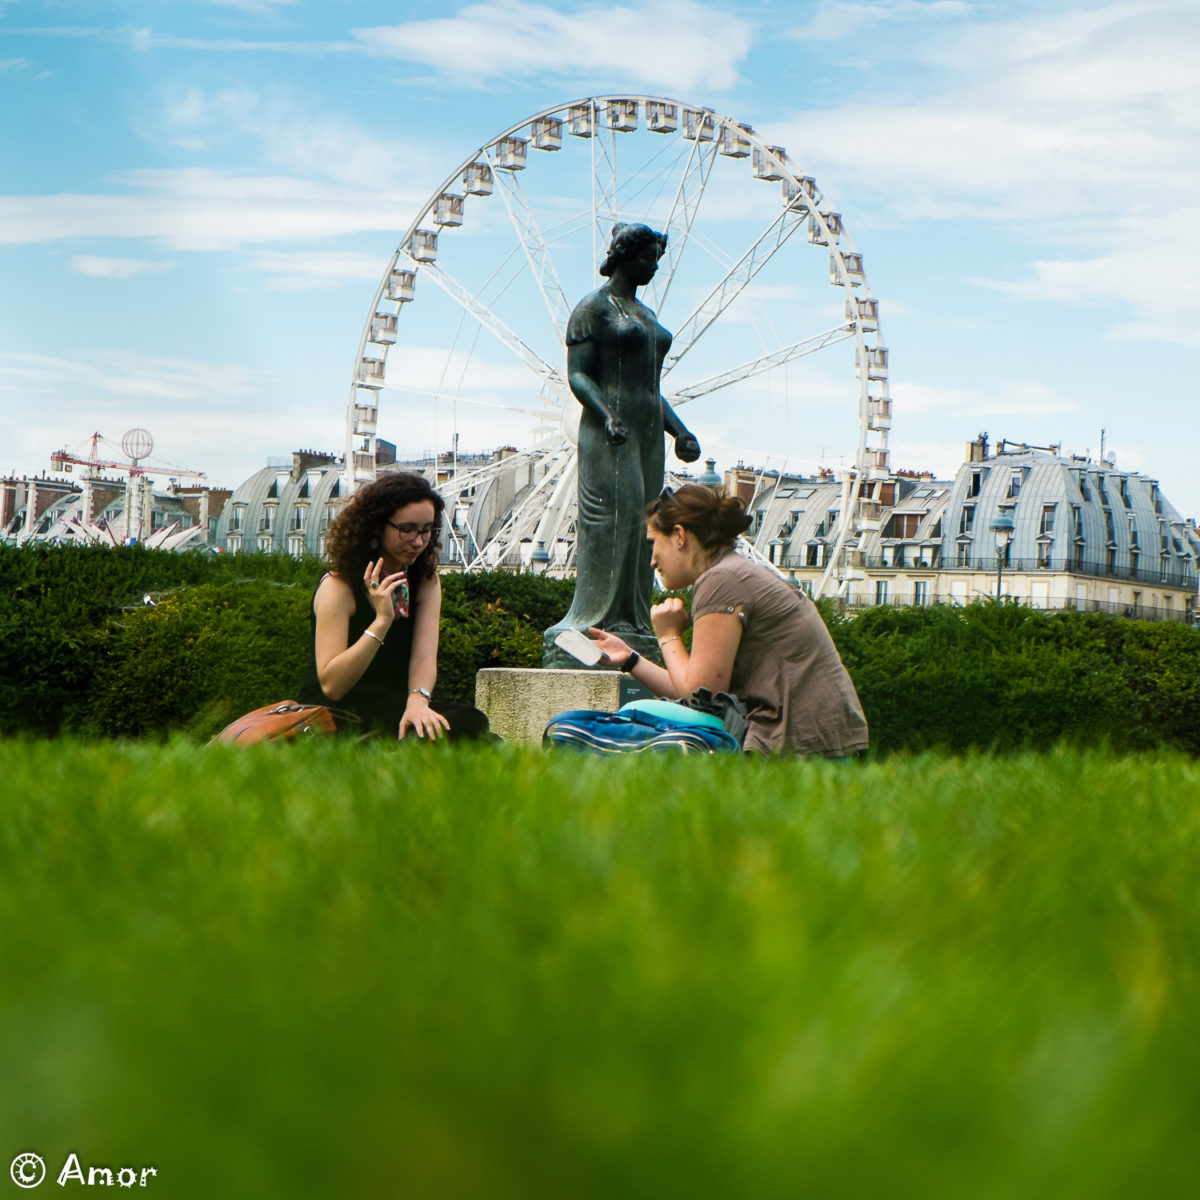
(687, 448)
(581, 375)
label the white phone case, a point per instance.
(580, 647)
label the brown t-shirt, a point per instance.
(787, 671)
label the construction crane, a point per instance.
(137, 444)
(63, 459)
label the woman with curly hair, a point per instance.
(752, 634)
(375, 614)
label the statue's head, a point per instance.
(629, 241)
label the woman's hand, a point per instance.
(380, 588)
(669, 618)
(616, 650)
(421, 719)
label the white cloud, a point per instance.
(834, 20)
(129, 375)
(252, 6)
(1006, 399)
(1147, 272)
(514, 39)
(200, 209)
(298, 272)
(15, 64)
(117, 268)
(297, 137)
(1075, 133)
(1091, 111)
(198, 413)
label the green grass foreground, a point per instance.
(337, 971)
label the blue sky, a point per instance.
(198, 199)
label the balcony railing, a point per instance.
(1178, 574)
(903, 598)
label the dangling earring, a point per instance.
(374, 543)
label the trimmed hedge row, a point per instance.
(1005, 676)
(80, 652)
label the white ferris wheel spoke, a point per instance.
(533, 244)
(522, 518)
(735, 281)
(558, 510)
(548, 374)
(604, 185)
(684, 207)
(755, 366)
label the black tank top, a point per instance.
(379, 697)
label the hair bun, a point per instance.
(731, 519)
(715, 517)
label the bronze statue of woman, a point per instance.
(615, 352)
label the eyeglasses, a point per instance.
(410, 532)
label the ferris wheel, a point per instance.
(760, 283)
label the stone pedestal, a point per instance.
(519, 701)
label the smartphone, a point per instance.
(400, 597)
(580, 647)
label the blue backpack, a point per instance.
(641, 725)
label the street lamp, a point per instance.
(1002, 529)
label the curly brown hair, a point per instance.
(353, 539)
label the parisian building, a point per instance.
(1025, 522)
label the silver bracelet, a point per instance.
(673, 638)
(374, 635)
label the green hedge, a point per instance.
(1004, 676)
(81, 653)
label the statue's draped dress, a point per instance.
(613, 578)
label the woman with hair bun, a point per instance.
(375, 614)
(752, 634)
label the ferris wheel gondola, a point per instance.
(542, 214)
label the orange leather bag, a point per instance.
(285, 721)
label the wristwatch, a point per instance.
(631, 662)
(420, 692)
